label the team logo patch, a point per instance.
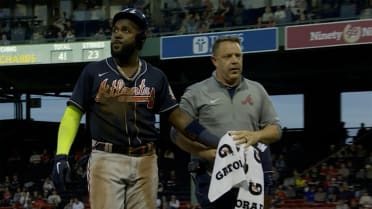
(248, 100)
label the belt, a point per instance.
(142, 150)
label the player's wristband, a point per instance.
(198, 132)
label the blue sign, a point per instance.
(199, 45)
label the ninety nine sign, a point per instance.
(200, 45)
(328, 34)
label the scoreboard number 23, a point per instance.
(92, 54)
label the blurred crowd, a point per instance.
(172, 17)
(344, 178)
(25, 181)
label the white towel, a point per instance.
(237, 168)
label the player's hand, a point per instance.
(245, 138)
(61, 173)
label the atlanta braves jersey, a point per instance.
(122, 110)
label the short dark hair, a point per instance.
(224, 39)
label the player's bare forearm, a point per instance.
(270, 134)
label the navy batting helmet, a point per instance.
(132, 14)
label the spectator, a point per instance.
(6, 197)
(77, 204)
(282, 15)
(100, 34)
(267, 17)
(290, 180)
(368, 179)
(300, 184)
(4, 39)
(238, 12)
(48, 184)
(174, 203)
(309, 194)
(164, 202)
(59, 23)
(344, 171)
(39, 202)
(18, 33)
(279, 197)
(365, 200)
(45, 157)
(17, 196)
(227, 9)
(54, 199)
(70, 36)
(203, 27)
(344, 193)
(24, 199)
(69, 204)
(320, 195)
(331, 195)
(361, 131)
(280, 165)
(14, 183)
(37, 37)
(341, 204)
(208, 6)
(354, 204)
(172, 179)
(35, 158)
(59, 37)
(290, 191)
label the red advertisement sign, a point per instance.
(328, 34)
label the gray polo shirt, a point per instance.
(250, 108)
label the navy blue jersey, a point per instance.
(122, 110)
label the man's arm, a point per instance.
(192, 147)
(191, 128)
(68, 128)
(269, 134)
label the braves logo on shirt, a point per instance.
(121, 93)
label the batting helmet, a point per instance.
(132, 14)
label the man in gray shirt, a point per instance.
(228, 102)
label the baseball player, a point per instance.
(120, 96)
(228, 102)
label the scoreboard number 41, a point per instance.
(61, 56)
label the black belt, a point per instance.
(138, 151)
